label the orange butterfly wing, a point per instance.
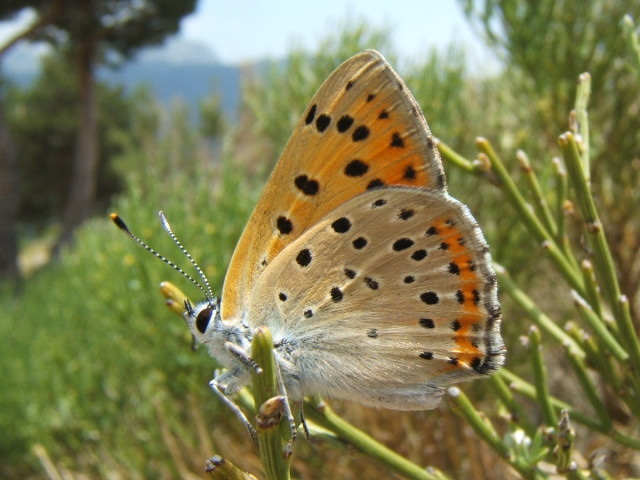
(363, 129)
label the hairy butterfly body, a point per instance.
(376, 284)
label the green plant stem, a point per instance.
(273, 450)
(601, 361)
(542, 207)
(532, 310)
(481, 425)
(525, 388)
(582, 117)
(321, 414)
(605, 364)
(591, 290)
(456, 159)
(220, 468)
(518, 413)
(561, 197)
(599, 328)
(540, 378)
(589, 389)
(603, 261)
(564, 208)
(528, 217)
(485, 430)
(633, 401)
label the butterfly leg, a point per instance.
(220, 388)
(242, 356)
(304, 422)
(287, 406)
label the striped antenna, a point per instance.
(123, 226)
(167, 227)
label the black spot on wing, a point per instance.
(409, 173)
(284, 225)
(356, 168)
(304, 257)
(396, 141)
(344, 123)
(341, 225)
(375, 183)
(360, 133)
(430, 298)
(322, 122)
(311, 114)
(306, 185)
(336, 294)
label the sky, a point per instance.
(240, 31)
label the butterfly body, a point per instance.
(377, 285)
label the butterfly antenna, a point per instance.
(167, 227)
(123, 226)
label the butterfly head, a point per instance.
(203, 318)
(226, 341)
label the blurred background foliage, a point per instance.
(43, 120)
(545, 46)
(98, 377)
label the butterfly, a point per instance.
(376, 285)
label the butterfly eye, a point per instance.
(202, 320)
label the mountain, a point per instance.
(177, 70)
(188, 82)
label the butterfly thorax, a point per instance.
(229, 342)
(208, 328)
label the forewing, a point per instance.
(362, 130)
